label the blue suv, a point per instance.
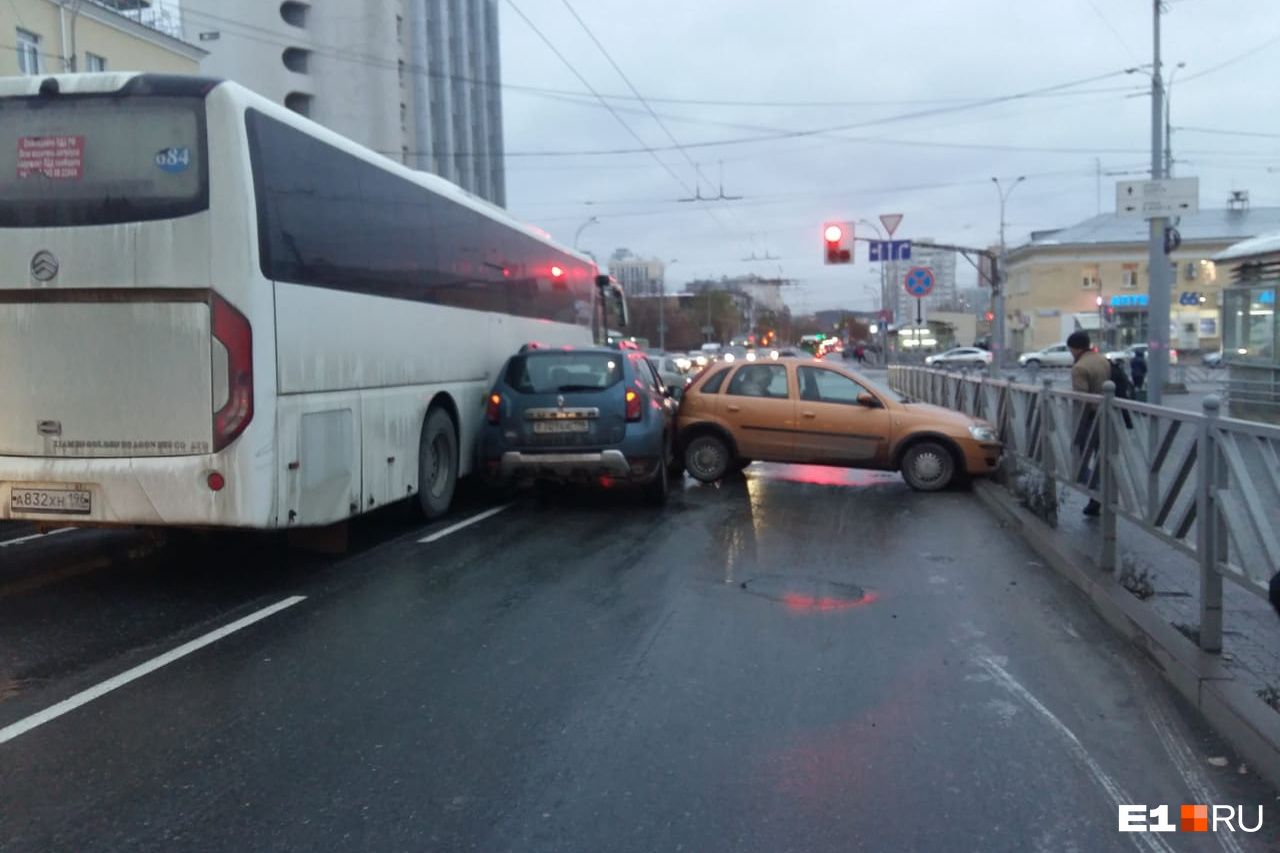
(584, 415)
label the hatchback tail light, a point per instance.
(493, 412)
(232, 330)
(633, 405)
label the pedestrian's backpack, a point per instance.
(1124, 388)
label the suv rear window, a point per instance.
(557, 372)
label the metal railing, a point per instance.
(1206, 485)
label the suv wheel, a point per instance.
(707, 458)
(928, 467)
(655, 491)
(1033, 363)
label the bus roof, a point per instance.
(191, 85)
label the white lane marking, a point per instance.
(1184, 761)
(84, 697)
(1117, 795)
(6, 543)
(466, 522)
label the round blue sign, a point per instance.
(919, 281)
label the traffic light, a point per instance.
(837, 238)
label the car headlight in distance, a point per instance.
(751, 356)
(773, 353)
(983, 433)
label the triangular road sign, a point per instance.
(890, 221)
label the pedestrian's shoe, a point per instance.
(1092, 508)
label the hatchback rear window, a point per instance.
(558, 372)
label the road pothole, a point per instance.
(808, 593)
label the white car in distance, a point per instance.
(1055, 356)
(960, 357)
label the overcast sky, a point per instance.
(911, 85)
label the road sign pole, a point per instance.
(1158, 308)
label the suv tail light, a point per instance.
(232, 330)
(633, 405)
(493, 410)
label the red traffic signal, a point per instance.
(838, 237)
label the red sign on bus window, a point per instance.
(58, 158)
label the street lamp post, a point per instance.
(998, 334)
(662, 306)
(1168, 127)
(884, 296)
(592, 221)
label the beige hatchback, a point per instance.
(816, 412)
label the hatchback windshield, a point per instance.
(558, 372)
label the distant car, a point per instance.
(960, 357)
(671, 368)
(731, 354)
(1126, 355)
(1055, 356)
(821, 413)
(580, 415)
(1211, 359)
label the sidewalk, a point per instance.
(1171, 581)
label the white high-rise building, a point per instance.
(417, 80)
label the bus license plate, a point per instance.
(51, 501)
(561, 426)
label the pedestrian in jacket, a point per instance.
(1138, 370)
(1090, 371)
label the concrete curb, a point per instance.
(1233, 710)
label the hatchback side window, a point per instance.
(712, 385)
(827, 386)
(760, 380)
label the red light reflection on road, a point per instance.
(823, 475)
(796, 601)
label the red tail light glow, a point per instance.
(633, 405)
(232, 330)
(493, 411)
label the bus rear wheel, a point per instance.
(437, 464)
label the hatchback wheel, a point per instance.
(928, 467)
(707, 458)
(655, 491)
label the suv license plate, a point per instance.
(51, 501)
(561, 426)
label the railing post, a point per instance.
(1107, 476)
(1211, 526)
(1047, 462)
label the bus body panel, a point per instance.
(134, 379)
(342, 379)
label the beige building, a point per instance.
(1095, 276)
(48, 37)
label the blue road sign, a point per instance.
(890, 250)
(919, 281)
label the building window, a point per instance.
(28, 52)
(296, 59)
(1249, 325)
(399, 27)
(404, 117)
(299, 103)
(1129, 278)
(1089, 278)
(401, 68)
(94, 63)
(293, 13)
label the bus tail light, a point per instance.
(493, 411)
(633, 405)
(232, 330)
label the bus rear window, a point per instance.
(100, 160)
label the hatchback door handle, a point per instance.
(734, 408)
(809, 414)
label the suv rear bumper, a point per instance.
(603, 463)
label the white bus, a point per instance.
(216, 313)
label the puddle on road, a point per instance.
(802, 593)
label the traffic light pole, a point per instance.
(1158, 301)
(996, 260)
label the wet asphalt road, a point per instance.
(803, 659)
